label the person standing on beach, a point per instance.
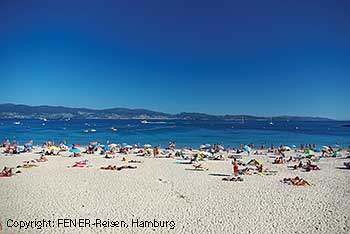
(235, 168)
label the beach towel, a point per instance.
(28, 166)
(80, 164)
(267, 173)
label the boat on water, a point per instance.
(86, 130)
(113, 129)
(17, 123)
(93, 130)
(271, 123)
(44, 119)
(144, 122)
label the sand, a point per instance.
(159, 189)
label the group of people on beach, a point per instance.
(214, 152)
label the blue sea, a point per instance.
(183, 132)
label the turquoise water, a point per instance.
(185, 133)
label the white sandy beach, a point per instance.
(196, 201)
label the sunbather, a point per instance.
(134, 161)
(27, 164)
(7, 172)
(125, 167)
(299, 166)
(109, 167)
(310, 166)
(278, 160)
(109, 156)
(81, 164)
(42, 159)
(200, 166)
(295, 181)
(233, 179)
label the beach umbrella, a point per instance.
(113, 145)
(254, 162)
(205, 153)
(106, 148)
(74, 150)
(294, 146)
(204, 147)
(286, 148)
(247, 148)
(20, 148)
(336, 154)
(128, 146)
(53, 148)
(325, 147)
(94, 143)
(147, 146)
(310, 152)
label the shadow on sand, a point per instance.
(343, 168)
(219, 174)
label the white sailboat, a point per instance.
(271, 123)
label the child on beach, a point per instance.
(235, 167)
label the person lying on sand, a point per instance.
(295, 181)
(278, 160)
(27, 164)
(291, 159)
(109, 156)
(125, 167)
(299, 166)
(310, 166)
(246, 171)
(76, 155)
(260, 168)
(114, 167)
(134, 161)
(41, 159)
(81, 164)
(200, 166)
(7, 172)
(109, 167)
(233, 179)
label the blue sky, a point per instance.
(220, 57)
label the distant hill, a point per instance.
(59, 112)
